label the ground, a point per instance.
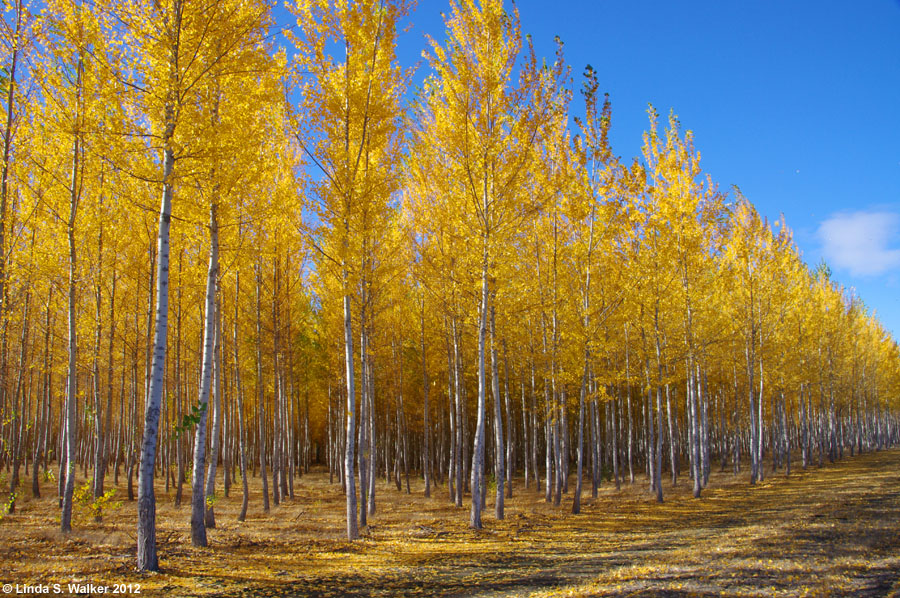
(831, 531)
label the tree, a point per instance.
(487, 127)
(349, 130)
(691, 208)
(591, 203)
(168, 57)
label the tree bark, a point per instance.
(198, 495)
(426, 425)
(478, 449)
(499, 448)
(72, 387)
(260, 414)
(217, 414)
(245, 497)
(349, 460)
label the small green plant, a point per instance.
(211, 500)
(190, 419)
(7, 506)
(48, 476)
(94, 507)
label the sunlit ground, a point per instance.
(833, 531)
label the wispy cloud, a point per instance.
(861, 242)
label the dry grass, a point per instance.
(831, 531)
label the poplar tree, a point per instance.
(486, 125)
(348, 127)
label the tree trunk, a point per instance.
(615, 441)
(559, 448)
(146, 540)
(510, 426)
(19, 407)
(478, 448)
(534, 433)
(198, 495)
(499, 448)
(453, 466)
(370, 380)
(95, 366)
(352, 529)
(72, 387)
(526, 447)
(629, 411)
(548, 444)
(15, 47)
(215, 449)
(364, 455)
(760, 425)
(261, 412)
(179, 399)
(43, 426)
(576, 502)
(704, 428)
(426, 425)
(754, 431)
(460, 408)
(240, 404)
(594, 418)
(109, 374)
(693, 390)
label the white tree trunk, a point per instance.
(198, 496)
(500, 465)
(72, 394)
(478, 449)
(426, 431)
(239, 390)
(146, 540)
(216, 383)
(352, 529)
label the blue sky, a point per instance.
(796, 102)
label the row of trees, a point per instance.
(454, 281)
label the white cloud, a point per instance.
(861, 242)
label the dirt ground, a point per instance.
(833, 531)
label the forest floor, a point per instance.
(831, 531)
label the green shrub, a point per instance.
(94, 507)
(7, 506)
